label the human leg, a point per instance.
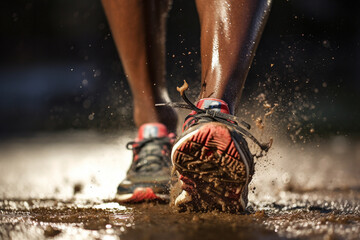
(230, 33)
(212, 158)
(138, 28)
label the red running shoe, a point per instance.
(211, 158)
(148, 178)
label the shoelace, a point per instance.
(211, 115)
(138, 145)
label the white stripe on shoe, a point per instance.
(183, 139)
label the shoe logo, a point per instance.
(150, 131)
(213, 105)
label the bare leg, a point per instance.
(230, 33)
(138, 28)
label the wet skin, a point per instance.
(138, 28)
(230, 33)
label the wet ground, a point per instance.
(60, 186)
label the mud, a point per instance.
(67, 199)
(315, 215)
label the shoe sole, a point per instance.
(141, 194)
(210, 168)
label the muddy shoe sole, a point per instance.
(211, 170)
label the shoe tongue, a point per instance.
(151, 130)
(213, 104)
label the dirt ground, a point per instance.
(61, 186)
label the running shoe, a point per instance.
(211, 158)
(148, 177)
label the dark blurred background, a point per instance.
(59, 68)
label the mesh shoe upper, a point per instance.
(151, 163)
(150, 156)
